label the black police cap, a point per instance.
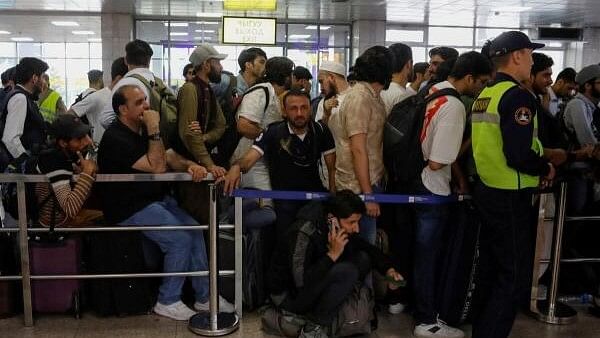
(511, 41)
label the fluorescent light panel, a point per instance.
(95, 40)
(511, 9)
(314, 27)
(22, 39)
(209, 14)
(179, 33)
(65, 23)
(83, 32)
(176, 24)
(207, 22)
(4, 32)
(299, 36)
(204, 31)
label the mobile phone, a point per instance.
(399, 283)
(332, 222)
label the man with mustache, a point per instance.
(24, 127)
(292, 150)
(197, 102)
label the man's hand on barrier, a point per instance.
(217, 171)
(197, 171)
(231, 179)
(87, 166)
(337, 238)
(556, 156)
(372, 209)
(394, 276)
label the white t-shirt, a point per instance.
(92, 106)
(441, 139)
(394, 94)
(252, 108)
(108, 114)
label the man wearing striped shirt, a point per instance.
(61, 202)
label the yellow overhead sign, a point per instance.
(253, 31)
(250, 5)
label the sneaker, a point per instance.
(176, 311)
(439, 329)
(224, 306)
(396, 308)
(313, 331)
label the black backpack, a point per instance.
(402, 153)
(227, 144)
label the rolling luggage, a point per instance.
(8, 266)
(460, 265)
(118, 252)
(56, 255)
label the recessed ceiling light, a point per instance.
(204, 31)
(95, 40)
(179, 33)
(83, 32)
(299, 36)
(4, 32)
(207, 22)
(202, 38)
(176, 24)
(22, 39)
(314, 27)
(209, 14)
(65, 23)
(511, 9)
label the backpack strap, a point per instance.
(442, 92)
(267, 96)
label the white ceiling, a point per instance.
(32, 17)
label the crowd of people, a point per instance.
(498, 129)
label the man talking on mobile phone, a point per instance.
(321, 260)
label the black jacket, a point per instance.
(301, 259)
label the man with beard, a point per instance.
(252, 68)
(292, 150)
(332, 80)
(24, 127)
(197, 102)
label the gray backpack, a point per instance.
(356, 314)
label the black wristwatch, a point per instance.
(154, 137)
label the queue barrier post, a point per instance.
(23, 230)
(550, 310)
(213, 323)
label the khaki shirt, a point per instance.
(361, 112)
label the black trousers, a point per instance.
(321, 299)
(507, 246)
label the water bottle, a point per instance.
(584, 298)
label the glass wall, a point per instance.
(68, 62)
(305, 44)
(423, 38)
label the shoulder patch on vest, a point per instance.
(480, 105)
(523, 116)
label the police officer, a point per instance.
(510, 164)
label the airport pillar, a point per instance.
(365, 34)
(117, 31)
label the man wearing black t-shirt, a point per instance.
(133, 144)
(292, 150)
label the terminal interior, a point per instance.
(76, 36)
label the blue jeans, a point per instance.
(367, 224)
(426, 223)
(184, 249)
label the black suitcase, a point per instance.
(9, 292)
(118, 252)
(460, 264)
(255, 257)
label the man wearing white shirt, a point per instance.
(561, 91)
(137, 58)
(93, 104)
(402, 72)
(25, 130)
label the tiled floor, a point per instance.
(153, 326)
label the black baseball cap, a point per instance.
(511, 41)
(67, 127)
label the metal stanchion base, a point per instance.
(226, 324)
(563, 314)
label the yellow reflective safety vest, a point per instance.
(488, 145)
(48, 106)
